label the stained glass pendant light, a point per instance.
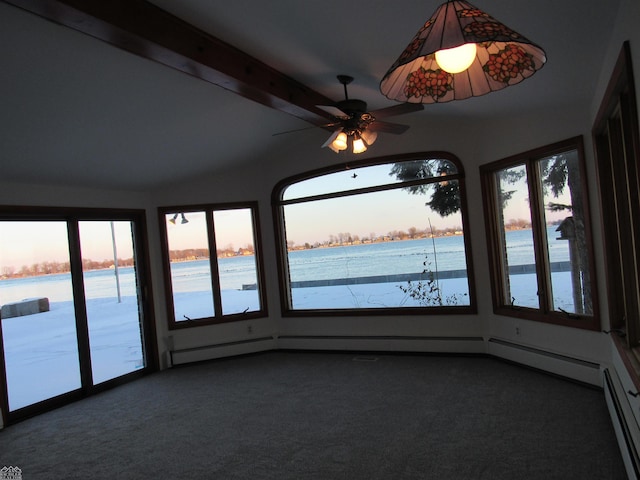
(460, 52)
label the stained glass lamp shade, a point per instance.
(502, 57)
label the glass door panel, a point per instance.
(112, 298)
(38, 316)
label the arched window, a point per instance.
(388, 234)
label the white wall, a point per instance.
(49, 195)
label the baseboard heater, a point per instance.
(563, 365)
(391, 343)
(625, 426)
(209, 352)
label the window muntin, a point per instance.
(353, 244)
(539, 235)
(208, 289)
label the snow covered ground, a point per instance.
(41, 352)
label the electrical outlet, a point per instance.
(517, 330)
(250, 329)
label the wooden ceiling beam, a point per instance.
(144, 29)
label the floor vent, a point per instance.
(365, 359)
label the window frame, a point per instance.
(278, 203)
(218, 316)
(529, 160)
(619, 103)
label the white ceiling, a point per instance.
(77, 111)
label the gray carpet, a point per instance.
(284, 415)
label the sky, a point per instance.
(361, 215)
(233, 229)
(26, 243)
(375, 213)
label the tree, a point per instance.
(8, 271)
(445, 196)
(509, 176)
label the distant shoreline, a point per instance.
(306, 246)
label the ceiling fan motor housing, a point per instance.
(358, 118)
(352, 106)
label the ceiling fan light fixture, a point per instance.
(337, 141)
(358, 145)
(369, 137)
(355, 126)
(503, 58)
(340, 142)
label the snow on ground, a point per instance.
(41, 352)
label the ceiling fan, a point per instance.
(352, 123)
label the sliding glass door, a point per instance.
(111, 298)
(74, 315)
(38, 318)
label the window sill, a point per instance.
(372, 312)
(200, 322)
(552, 318)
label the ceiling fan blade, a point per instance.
(387, 127)
(333, 110)
(399, 109)
(326, 125)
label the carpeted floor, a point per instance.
(289, 415)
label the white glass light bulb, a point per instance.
(457, 59)
(340, 143)
(369, 137)
(359, 146)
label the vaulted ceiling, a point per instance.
(133, 95)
